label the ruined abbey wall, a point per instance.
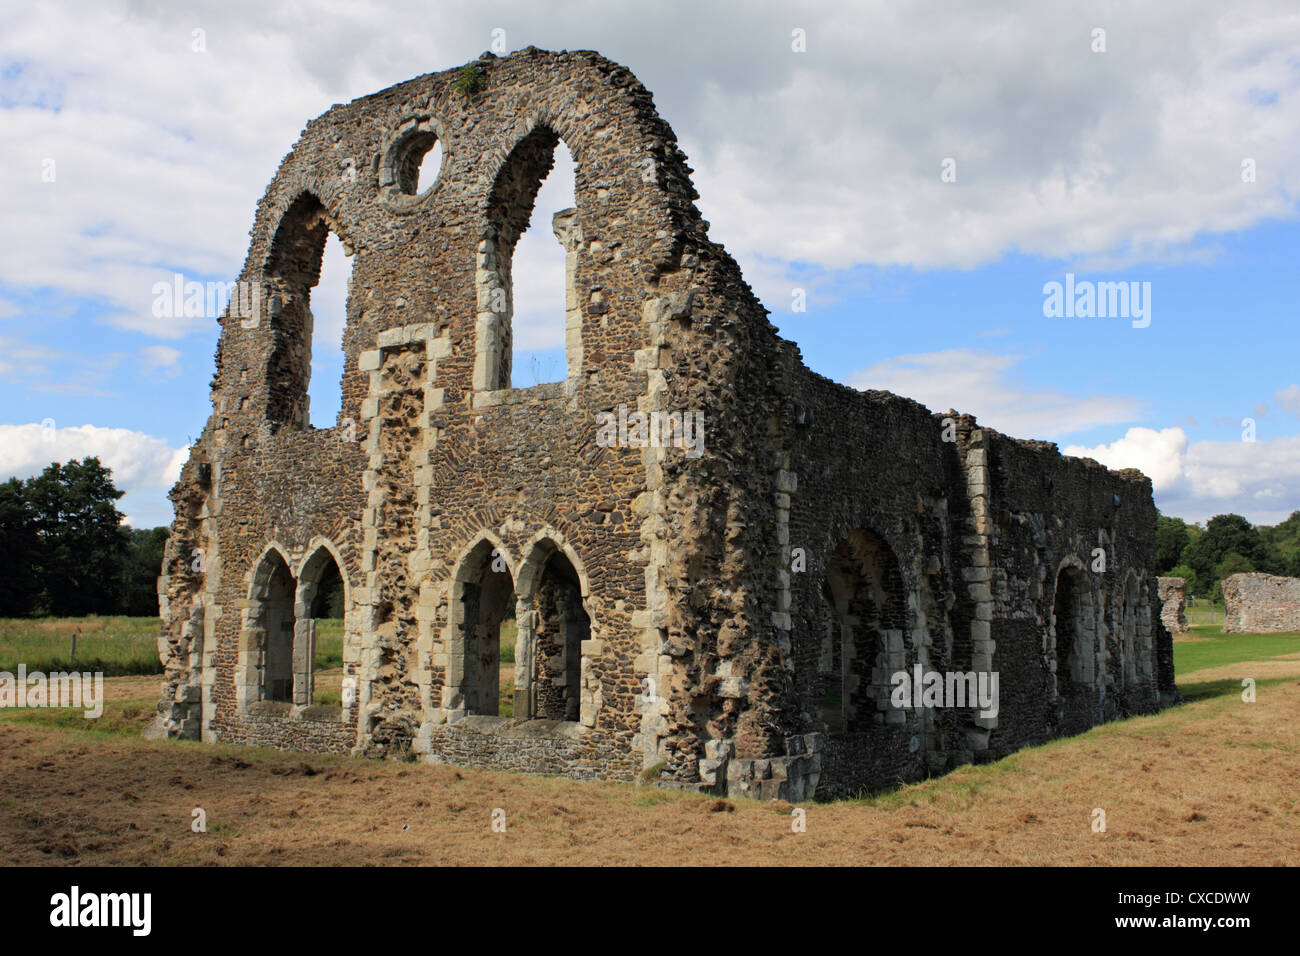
(1261, 604)
(727, 617)
(1173, 604)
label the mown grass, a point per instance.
(121, 718)
(962, 785)
(1221, 649)
(1226, 687)
(94, 792)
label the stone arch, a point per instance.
(322, 555)
(266, 655)
(869, 619)
(1073, 636)
(508, 214)
(482, 586)
(292, 269)
(553, 679)
(318, 552)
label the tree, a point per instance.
(1171, 538)
(1285, 539)
(80, 542)
(1232, 564)
(140, 570)
(17, 548)
(1291, 565)
(1224, 535)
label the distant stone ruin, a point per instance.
(1261, 604)
(1173, 604)
(721, 566)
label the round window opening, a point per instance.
(411, 164)
(419, 163)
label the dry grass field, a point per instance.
(1210, 782)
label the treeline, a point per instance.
(65, 552)
(1227, 545)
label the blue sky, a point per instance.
(137, 143)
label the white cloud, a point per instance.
(829, 157)
(139, 462)
(1288, 399)
(1160, 455)
(329, 299)
(1197, 480)
(161, 358)
(538, 267)
(1060, 152)
(22, 360)
(981, 383)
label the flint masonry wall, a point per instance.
(1261, 604)
(727, 619)
(1173, 604)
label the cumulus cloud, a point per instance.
(1160, 455)
(982, 383)
(141, 464)
(828, 157)
(1197, 480)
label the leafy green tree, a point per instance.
(1284, 536)
(80, 541)
(17, 548)
(1232, 564)
(1291, 565)
(1224, 535)
(1285, 539)
(329, 594)
(1187, 574)
(140, 570)
(1171, 538)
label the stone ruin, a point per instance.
(1172, 593)
(1261, 604)
(724, 609)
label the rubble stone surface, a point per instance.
(1173, 604)
(1261, 604)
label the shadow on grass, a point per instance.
(1227, 687)
(965, 783)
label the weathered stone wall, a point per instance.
(726, 616)
(1261, 604)
(1173, 604)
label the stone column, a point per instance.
(569, 232)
